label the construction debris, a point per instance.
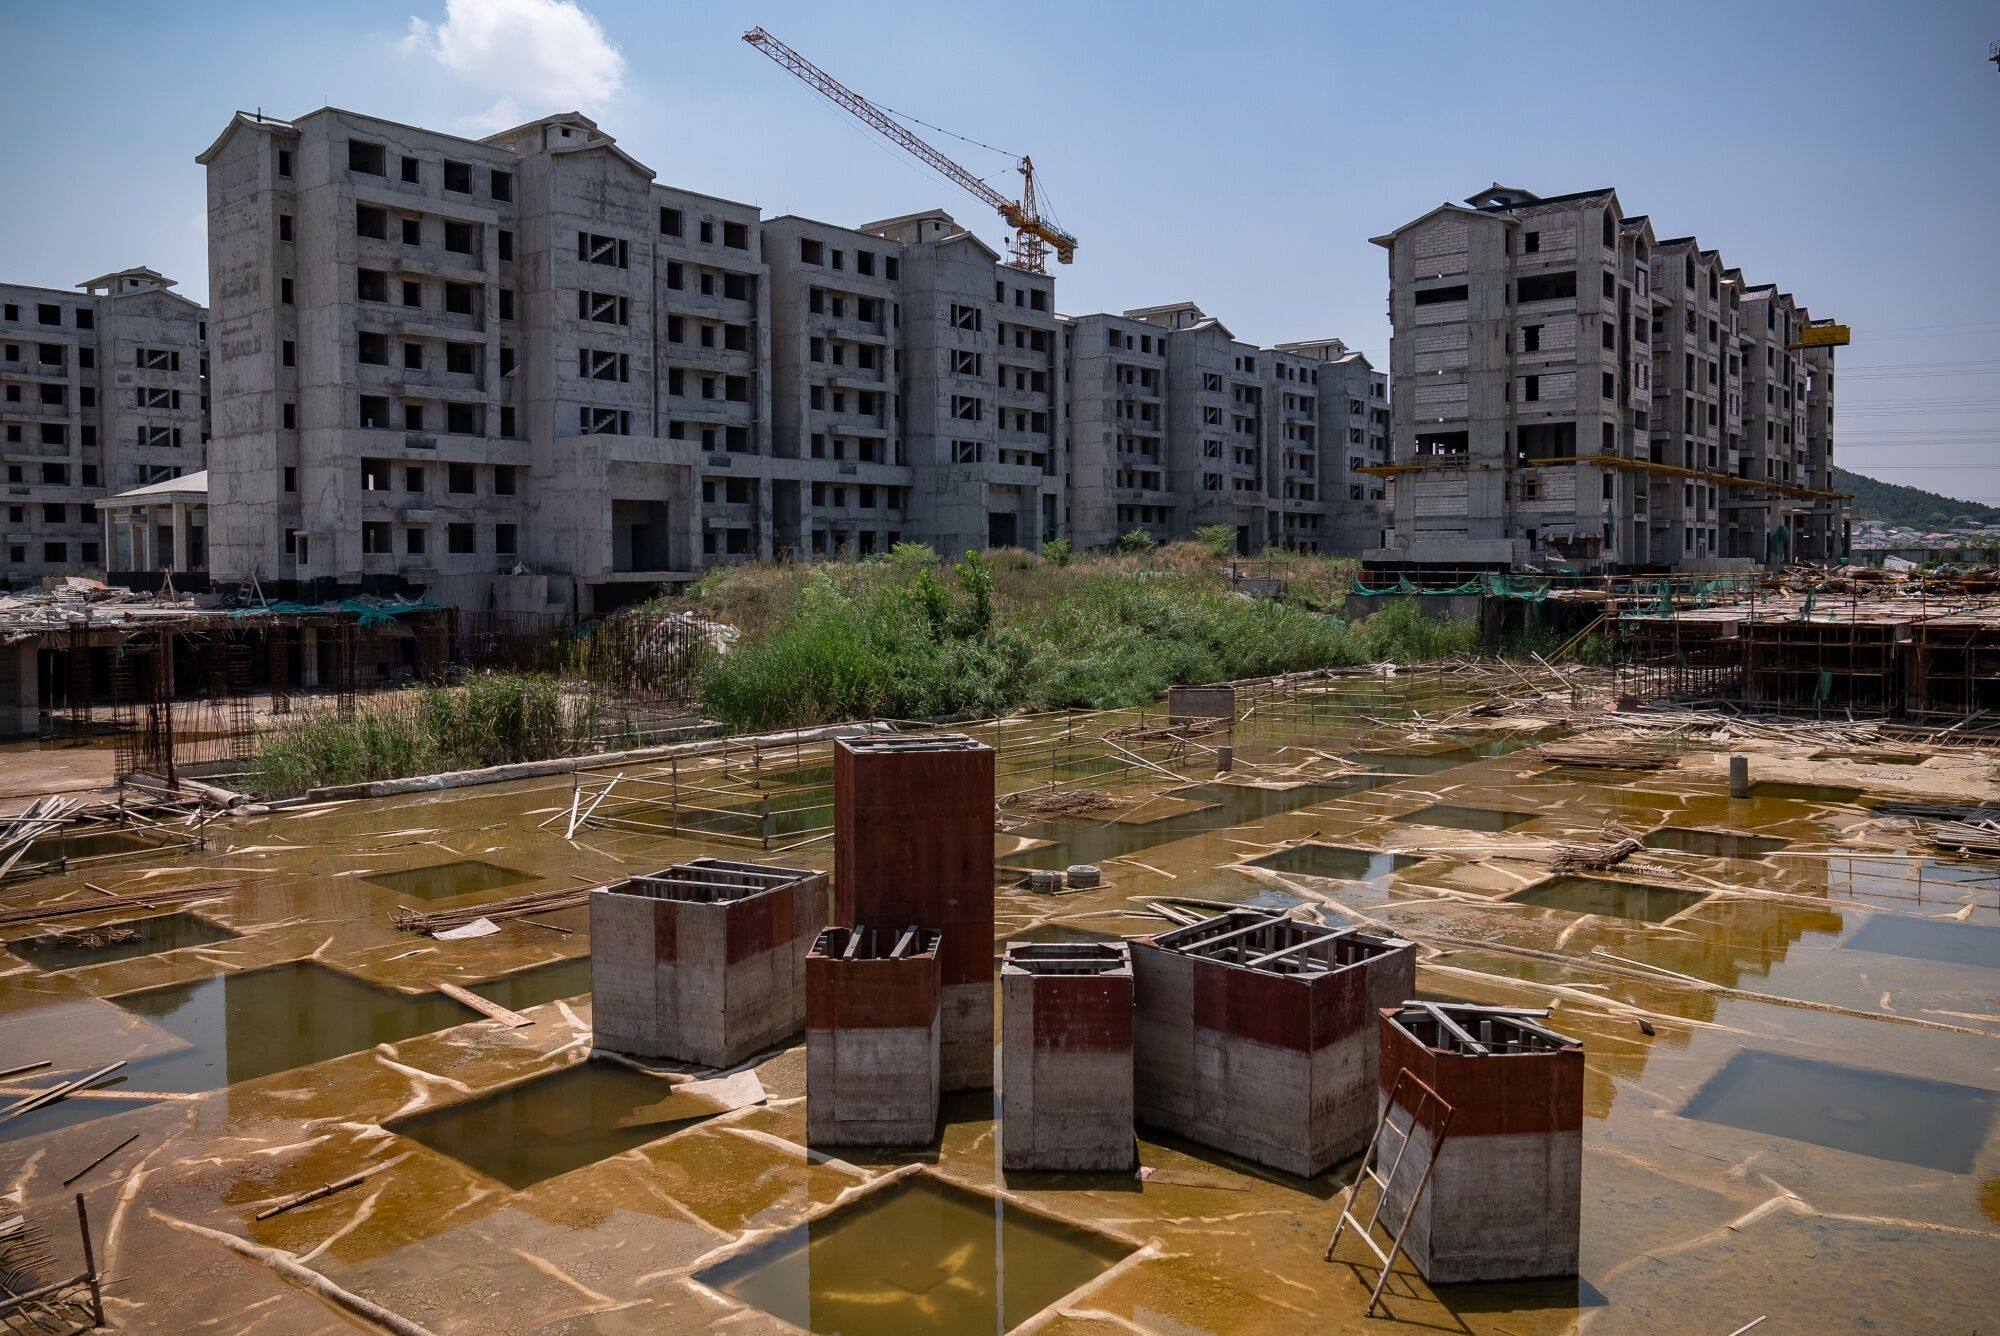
(518, 906)
(141, 900)
(1597, 857)
(1062, 802)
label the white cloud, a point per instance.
(537, 56)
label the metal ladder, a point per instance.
(1425, 1098)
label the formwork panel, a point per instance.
(1066, 1056)
(1257, 1034)
(913, 843)
(703, 961)
(872, 1051)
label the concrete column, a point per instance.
(179, 511)
(308, 656)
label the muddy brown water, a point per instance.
(1816, 1146)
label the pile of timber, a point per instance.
(1604, 758)
(519, 906)
(1061, 802)
(1619, 846)
(1968, 837)
(1181, 732)
(45, 816)
(136, 900)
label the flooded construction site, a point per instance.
(358, 1082)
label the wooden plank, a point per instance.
(488, 1009)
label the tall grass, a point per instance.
(488, 721)
(902, 640)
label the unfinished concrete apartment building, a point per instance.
(102, 389)
(1573, 392)
(1174, 424)
(518, 373)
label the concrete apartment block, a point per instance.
(872, 1025)
(517, 372)
(1558, 365)
(1505, 1196)
(1353, 417)
(1264, 440)
(101, 389)
(913, 843)
(982, 387)
(1215, 402)
(1257, 1034)
(836, 422)
(703, 961)
(1066, 1056)
(1118, 446)
(1295, 454)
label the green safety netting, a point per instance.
(371, 614)
(1493, 583)
(1532, 589)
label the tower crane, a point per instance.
(1034, 235)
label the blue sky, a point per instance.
(1238, 157)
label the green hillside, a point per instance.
(1893, 503)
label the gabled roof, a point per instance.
(110, 280)
(188, 484)
(244, 120)
(1389, 238)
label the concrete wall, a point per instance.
(913, 843)
(1504, 1200)
(872, 1046)
(704, 982)
(1066, 1057)
(1276, 1068)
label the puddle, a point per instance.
(254, 1022)
(1467, 818)
(919, 1256)
(1928, 939)
(1829, 794)
(441, 881)
(103, 844)
(1617, 899)
(541, 983)
(150, 936)
(556, 1123)
(68, 1112)
(1878, 877)
(1933, 1124)
(1228, 805)
(1331, 860)
(1713, 843)
(1408, 763)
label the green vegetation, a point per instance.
(488, 721)
(1134, 542)
(1056, 551)
(898, 640)
(1912, 507)
(1219, 539)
